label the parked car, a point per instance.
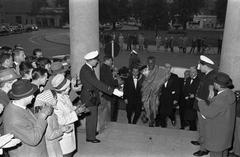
(4, 30)
(30, 27)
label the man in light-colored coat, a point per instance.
(220, 117)
(21, 122)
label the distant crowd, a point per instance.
(172, 43)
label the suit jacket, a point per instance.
(220, 119)
(92, 86)
(190, 112)
(26, 127)
(203, 88)
(169, 94)
(184, 87)
(132, 94)
(106, 77)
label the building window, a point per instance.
(31, 21)
(26, 21)
(19, 19)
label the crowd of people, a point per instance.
(40, 102)
(203, 97)
(162, 42)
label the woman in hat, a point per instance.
(21, 122)
(54, 131)
(220, 117)
(66, 113)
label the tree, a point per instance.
(221, 8)
(37, 5)
(65, 5)
(185, 9)
(113, 10)
(152, 13)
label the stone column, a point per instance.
(84, 31)
(230, 57)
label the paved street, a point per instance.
(36, 39)
(56, 42)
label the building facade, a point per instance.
(23, 12)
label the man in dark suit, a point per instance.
(90, 93)
(184, 86)
(133, 95)
(190, 113)
(168, 99)
(107, 101)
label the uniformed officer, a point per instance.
(90, 93)
(204, 92)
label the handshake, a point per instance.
(117, 92)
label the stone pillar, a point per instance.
(84, 34)
(230, 57)
(84, 31)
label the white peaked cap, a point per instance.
(91, 55)
(133, 51)
(206, 59)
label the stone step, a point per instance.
(120, 140)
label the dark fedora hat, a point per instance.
(58, 67)
(21, 89)
(224, 80)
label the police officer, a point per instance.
(204, 92)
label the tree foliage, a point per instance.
(186, 9)
(221, 8)
(152, 13)
(113, 10)
(37, 5)
(65, 5)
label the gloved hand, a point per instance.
(12, 143)
(117, 93)
(5, 139)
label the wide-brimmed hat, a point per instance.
(58, 67)
(59, 82)
(8, 75)
(91, 55)
(21, 89)
(223, 80)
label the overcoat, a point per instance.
(26, 127)
(220, 119)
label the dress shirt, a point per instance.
(135, 82)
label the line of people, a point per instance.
(204, 98)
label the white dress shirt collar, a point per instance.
(23, 107)
(89, 65)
